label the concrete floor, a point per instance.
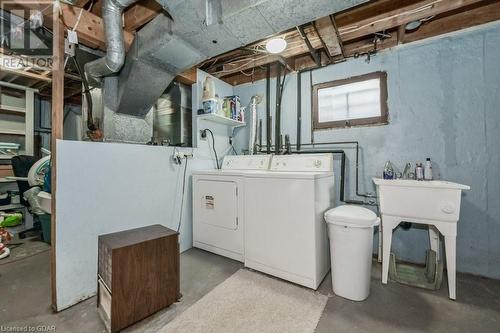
(25, 298)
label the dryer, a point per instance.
(285, 234)
(219, 204)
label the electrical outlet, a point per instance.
(203, 134)
(179, 156)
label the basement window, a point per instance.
(356, 101)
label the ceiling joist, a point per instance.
(418, 11)
(366, 29)
(141, 13)
(328, 33)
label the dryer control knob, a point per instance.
(317, 163)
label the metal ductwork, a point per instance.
(112, 11)
(164, 48)
(155, 57)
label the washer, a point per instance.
(285, 234)
(219, 204)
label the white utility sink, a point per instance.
(432, 200)
(434, 203)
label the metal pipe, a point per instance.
(322, 41)
(342, 174)
(260, 132)
(299, 109)
(277, 112)
(112, 11)
(312, 50)
(358, 193)
(268, 109)
(342, 177)
(256, 99)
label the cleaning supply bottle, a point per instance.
(419, 171)
(428, 169)
(208, 89)
(388, 170)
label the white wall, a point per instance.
(106, 187)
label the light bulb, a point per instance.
(276, 45)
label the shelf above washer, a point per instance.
(213, 117)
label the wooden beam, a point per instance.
(295, 46)
(187, 77)
(328, 33)
(440, 25)
(364, 46)
(369, 9)
(22, 73)
(454, 15)
(401, 34)
(57, 131)
(91, 28)
(141, 13)
(469, 18)
(401, 16)
(97, 8)
(34, 76)
(81, 3)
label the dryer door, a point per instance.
(216, 227)
(217, 203)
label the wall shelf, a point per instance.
(12, 109)
(17, 117)
(213, 117)
(12, 131)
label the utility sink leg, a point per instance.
(450, 243)
(388, 224)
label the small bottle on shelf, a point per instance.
(388, 170)
(428, 169)
(419, 171)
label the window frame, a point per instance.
(383, 119)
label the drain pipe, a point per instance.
(112, 11)
(268, 110)
(256, 99)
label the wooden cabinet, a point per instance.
(138, 274)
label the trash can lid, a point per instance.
(352, 216)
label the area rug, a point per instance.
(251, 302)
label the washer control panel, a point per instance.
(303, 162)
(246, 162)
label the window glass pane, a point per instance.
(349, 101)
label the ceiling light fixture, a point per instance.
(276, 45)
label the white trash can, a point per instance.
(350, 229)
